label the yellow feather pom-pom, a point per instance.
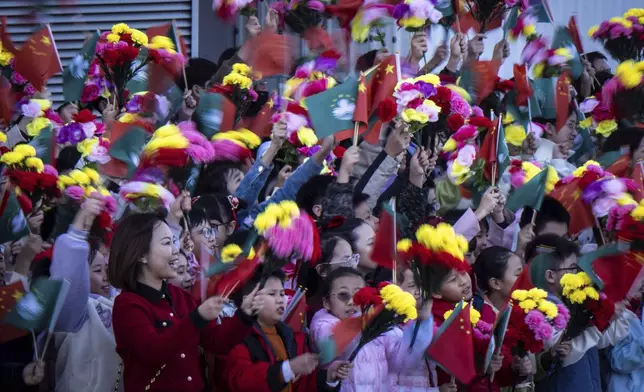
(35, 163)
(12, 158)
(80, 177)
(25, 149)
(403, 245)
(230, 252)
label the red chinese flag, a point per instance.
(162, 29)
(568, 195)
(234, 279)
(383, 82)
(260, 124)
(484, 75)
(296, 318)
(523, 282)
(638, 179)
(362, 110)
(270, 54)
(344, 10)
(9, 295)
(620, 167)
(522, 85)
(453, 349)
(562, 99)
(38, 59)
(6, 101)
(383, 247)
(318, 40)
(5, 37)
(620, 273)
(488, 151)
(574, 34)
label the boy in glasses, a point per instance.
(571, 365)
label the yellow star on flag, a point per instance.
(362, 88)
(390, 69)
(17, 295)
(270, 103)
(45, 40)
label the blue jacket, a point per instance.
(627, 359)
(582, 376)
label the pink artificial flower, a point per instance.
(602, 205)
(517, 179)
(538, 324)
(50, 170)
(561, 321)
(477, 112)
(466, 155)
(460, 106)
(465, 133)
(31, 109)
(75, 192)
(613, 187)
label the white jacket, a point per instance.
(87, 360)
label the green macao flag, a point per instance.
(13, 224)
(214, 113)
(511, 22)
(563, 39)
(542, 101)
(36, 308)
(129, 140)
(44, 143)
(139, 81)
(331, 111)
(531, 194)
(75, 74)
(502, 151)
(445, 7)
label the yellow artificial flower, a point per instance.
(307, 137)
(35, 163)
(548, 308)
(80, 177)
(628, 74)
(26, 150)
(242, 68)
(161, 42)
(291, 85)
(249, 138)
(230, 252)
(12, 158)
(515, 135)
(139, 37)
(563, 52)
(128, 118)
(577, 297)
(87, 146)
(571, 281)
(552, 178)
(359, 31)
(3, 137)
(429, 78)
(450, 145)
(413, 22)
(460, 91)
(403, 245)
(585, 278)
(177, 142)
(235, 79)
(582, 169)
(591, 293)
(401, 302)
(44, 104)
(538, 69)
(410, 115)
(606, 127)
(120, 28)
(529, 30)
(290, 208)
(508, 118)
(66, 181)
(475, 315)
(530, 170)
(587, 123)
(37, 125)
(625, 200)
(637, 213)
(528, 305)
(103, 191)
(166, 131)
(519, 295)
(459, 173)
(113, 38)
(592, 31)
(537, 294)
(89, 190)
(5, 58)
(93, 175)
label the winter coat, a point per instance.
(627, 359)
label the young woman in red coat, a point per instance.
(159, 327)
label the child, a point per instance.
(572, 365)
(273, 357)
(183, 279)
(389, 352)
(496, 269)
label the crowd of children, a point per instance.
(391, 225)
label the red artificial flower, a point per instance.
(387, 110)
(148, 103)
(339, 151)
(130, 53)
(601, 113)
(415, 103)
(443, 94)
(516, 166)
(367, 296)
(331, 54)
(126, 37)
(296, 109)
(455, 122)
(603, 311)
(220, 89)
(26, 181)
(172, 157)
(103, 220)
(84, 116)
(481, 122)
(503, 85)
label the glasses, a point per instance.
(208, 232)
(343, 296)
(348, 261)
(176, 242)
(574, 269)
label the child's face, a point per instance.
(340, 301)
(456, 286)
(203, 235)
(233, 179)
(98, 283)
(409, 285)
(553, 277)
(365, 239)
(274, 302)
(183, 278)
(513, 270)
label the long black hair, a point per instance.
(491, 263)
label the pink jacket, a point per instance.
(388, 352)
(415, 378)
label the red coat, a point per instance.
(158, 335)
(251, 366)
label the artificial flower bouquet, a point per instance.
(622, 37)
(552, 62)
(369, 18)
(600, 118)
(608, 193)
(116, 52)
(313, 77)
(238, 86)
(526, 26)
(587, 306)
(20, 87)
(460, 151)
(41, 114)
(84, 126)
(523, 171)
(490, 13)
(144, 193)
(414, 102)
(416, 15)
(301, 15)
(178, 145)
(163, 52)
(298, 132)
(30, 176)
(433, 247)
(97, 85)
(534, 320)
(227, 10)
(382, 309)
(481, 331)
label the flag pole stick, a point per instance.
(356, 127)
(395, 260)
(33, 337)
(44, 350)
(601, 232)
(534, 217)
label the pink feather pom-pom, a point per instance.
(226, 150)
(75, 192)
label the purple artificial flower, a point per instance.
(75, 133)
(592, 191)
(16, 78)
(134, 104)
(426, 89)
(325, 65)
(400, 10)
(460, 106)
(253, 95)
(152, 175)
(29, 90)
(562, 318)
